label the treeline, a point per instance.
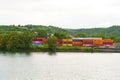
(15, 41)
(19, 37)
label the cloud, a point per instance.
(63, 13)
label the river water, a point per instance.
(60, 66)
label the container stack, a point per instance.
(88, 42)
(64, 42)
(37, 42)
(77, 42)
(108, 43)
(97, 42)
(69, 42)
(43, 40)
(59, 42)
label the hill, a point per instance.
(113, 31)
(13, 28)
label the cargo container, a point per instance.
(97, 42)
(59, 42)
(64, 41)
(37, 43)
(69, 41)
(44, 40)
(64, 44)
(108, 43)
(87, 42)
(69, 44)
(87, 38)
(77, 43)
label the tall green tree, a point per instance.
(52, 43)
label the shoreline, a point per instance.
(98, 50)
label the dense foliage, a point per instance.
(15, 41)
(52, 43)
(112, 32)
(19, 37)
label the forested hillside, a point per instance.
(108, 32)
(11, 28)
(112, 32)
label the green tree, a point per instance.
(3, 41)
(41, 33)
(52, 43)
(15, 41)
(81, 35)
(60, 35)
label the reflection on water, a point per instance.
(60, 66)
(51, 53)
(14, 53)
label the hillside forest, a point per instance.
(19, 37)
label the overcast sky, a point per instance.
(62, 13)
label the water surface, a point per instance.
(60, 66)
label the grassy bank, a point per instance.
(73, 49)
(45, 48)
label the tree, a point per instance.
(15, 41)
(60, 35)
(81, 35)
(41, 33)
(52, 43)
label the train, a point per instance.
(87, 42)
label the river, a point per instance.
(60, 66)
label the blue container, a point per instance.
(37, 44)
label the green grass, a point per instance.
(74, 49)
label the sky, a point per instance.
(62, 13)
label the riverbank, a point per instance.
(65, 49)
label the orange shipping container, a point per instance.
(77, 43)
(108, 41)
(87, 41)
(97, 42)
